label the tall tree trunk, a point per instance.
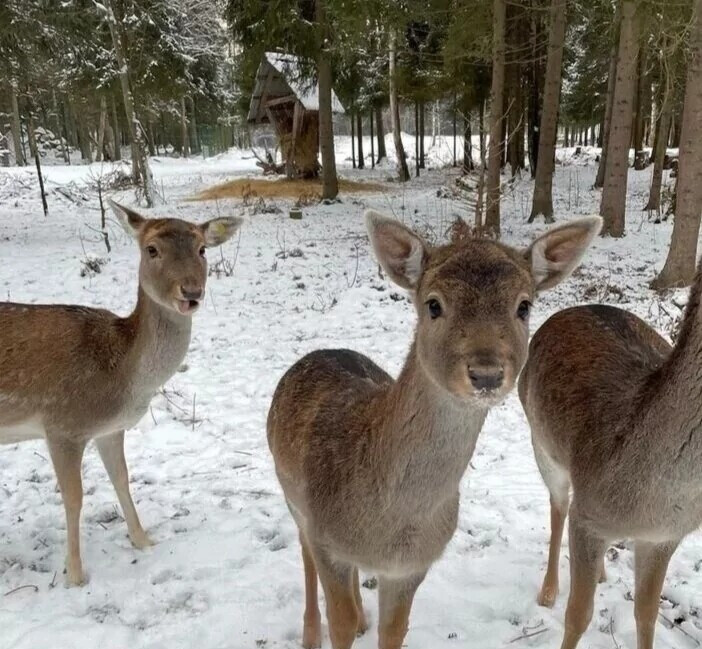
(194, 139)
(101, 129)
(421, 135)
(679, 269)
(359, 137)
(31, 134)
(372, 138)
(492, 212)
(467, 146)
(16, 126)
(330, 182)
(611, 80)
(455, 112)
(543, 187)
(353, 140)
(638, 141)
(402, 170)
(416, 138)
(115, 127)
(536, 38)
(184, 135)
(659, 148)
(613, 205)
(140, 162)
(382, 153)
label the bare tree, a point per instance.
(492, 212)
(599, 180)
(184, 135)
(380, 133)
(16, 129)
(402, 170)
(679, 269)
(330, 182)
(613, 205)
(543, 186)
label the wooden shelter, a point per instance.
(281, 98)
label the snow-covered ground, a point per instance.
(226, 571)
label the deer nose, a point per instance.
(191, 292)
(485, 377)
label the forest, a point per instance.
(197, 194)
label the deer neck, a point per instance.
(160, 340)
(427, 436)
(674, 409)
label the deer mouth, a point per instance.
(187, 307)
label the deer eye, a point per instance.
(434, 307)
(202, 251)
(523, 309)
(152, 251)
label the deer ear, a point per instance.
(131, 221)
(555, 255)
(219, 230)
(399, 251)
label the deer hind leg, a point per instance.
(312, 629)
(111, 449)
(396, 596)
(67, 458)
(342, 611)
(586, 552)
(651, 564)
(362, 623)
(558, 484)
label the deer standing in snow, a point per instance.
(370, 466)
(616, 417)
(70, 374)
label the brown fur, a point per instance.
(615, 413)
(72, 373)
(370, 466)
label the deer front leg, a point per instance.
(396, 596)
(312, 624)
(362, 624)
(651, 564)
(111, 449)
(586, 553)
(342, 611)
(67, 457)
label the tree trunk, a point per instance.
(402, 170)
(492, 212)
(454, 129)
(659, 148)
(372, 138)
(679, 269)
(543, 187)
(638, 141)
(536, 39)
(353, 141)
(117, 135)
(330, 182)
(140, 163)
(31, 134)
(613, 205)
(359, 137)
(416, 138)
(194, 139)
(16, 126)
(611, 79)
(467, 146)
(380, 133)
(421, 135)
(184, 135)
(101, 129)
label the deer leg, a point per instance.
(651, 564)
(586, 552)
(111, 449)
(362, 624)
(549, 589)
(342, 613)
(395, 598)
(312, 624)
(67, 457)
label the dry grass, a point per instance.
(252, 188)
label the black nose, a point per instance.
(191, 293)
(486, 377)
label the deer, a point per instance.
(370, 466)
(71, 374)
(615, 418)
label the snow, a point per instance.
(226, 571)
